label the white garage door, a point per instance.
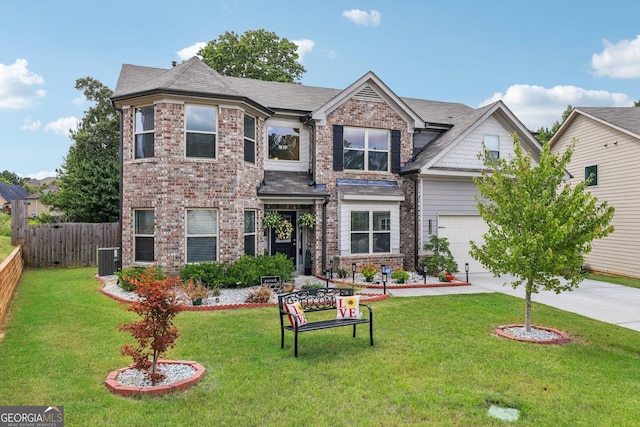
(459, 230)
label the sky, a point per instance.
(537, 56)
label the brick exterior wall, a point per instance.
(170, 184)
(367, 113)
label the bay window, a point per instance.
(144, 132)
(201, 127)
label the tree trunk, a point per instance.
(527, 312)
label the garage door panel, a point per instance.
(459, 230)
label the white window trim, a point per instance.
(187, 131)
(254, 139)
(346, 207)
(489, 149)
(136, 133)
(216, 234)
(136, 235)
(366, 149)
(301, 165)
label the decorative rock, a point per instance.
(504, 414)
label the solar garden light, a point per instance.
(331, 269)
(384, 279)
(353, 272)
(466, 269)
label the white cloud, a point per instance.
(17, 83)
(362, 17)
(304, 46)
(190, 51)
(42, 175)
(63, 126)
(78, 101)
(620, 60)
(537, 106)
(30, 124)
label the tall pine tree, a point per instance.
(90, 174)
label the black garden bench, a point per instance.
(295, 306)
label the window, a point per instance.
(249, 139)
(143, 132)
(591, 175)
(492, 147)
(366, 149)
(284, 143)
(370, 232)
(202, 235)
(250, 232)
(143, 235)
(201, 125)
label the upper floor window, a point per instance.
(201, 126)
(370, 232)
(202, 235)
(144, 132)
(249, 139)
(591, 175)
(284, 143)
(492, 147)
(366, 149)
(143, 235)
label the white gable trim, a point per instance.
(381, 89)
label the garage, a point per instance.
(459, 230)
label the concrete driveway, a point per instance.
(602, 301)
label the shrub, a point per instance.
(5, 224)
(195, 290)
(400, 276)
(368, 271)
(128, 277)
(442, 259)
(154, 332)
(260, 295)
(211, 274)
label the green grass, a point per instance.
(5, 247)
(625, 281)
(435, 362)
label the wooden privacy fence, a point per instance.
(60, 245)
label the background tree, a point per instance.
(12, 178)
(636, 103)
(89, 178)
(540, 229)
(257, 54)
(544, 135)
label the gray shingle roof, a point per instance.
(11, 192)
(624, 117)
(289, 184)
(195, 77)
(365, 187)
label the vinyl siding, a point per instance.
(618, 184)
(445, 197)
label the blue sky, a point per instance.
(537, 56)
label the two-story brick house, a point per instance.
(205, 156)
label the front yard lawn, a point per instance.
(435, 361)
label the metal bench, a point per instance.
(316, 300)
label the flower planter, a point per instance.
(116, 387)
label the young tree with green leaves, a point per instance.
(540, 228)
(257, 54)
(90, 175)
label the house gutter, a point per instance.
(416, 217)
(324, 234)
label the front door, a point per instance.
(286, 246)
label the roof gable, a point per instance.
(464, 125)
(370, 86)
(623, 119)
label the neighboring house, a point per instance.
(205, 156)
(9, 192)
(607, 147)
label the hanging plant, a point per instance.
(307, 220)
(284, 230)
(272, 220)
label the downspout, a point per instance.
(120, 186)
(324, 234)
(416, 217)
(307, 121)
